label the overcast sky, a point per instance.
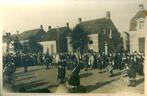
(30, 14)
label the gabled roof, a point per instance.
(36, 33)
(6, 39)
(53, 34)
(95, 26)
(133, 22)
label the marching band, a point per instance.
(129, 64)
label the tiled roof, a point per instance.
(36, 33)
(6, 39)
(133, 22)
(97, 25)
(53, 34)
(26, 35)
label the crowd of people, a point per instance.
(129, 64)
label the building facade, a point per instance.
(55, 39)
(136, 31)
(102, 34)
(49, 45)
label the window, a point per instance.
(141, 24)
(52, 48)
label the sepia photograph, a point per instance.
(73, 46)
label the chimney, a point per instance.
(108, 14)
(67, 24)
(8, 34)
(49, 27)
(79, 20)
(141, 7)
(41, 26)
(17, 32)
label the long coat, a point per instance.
(75, 78)
(48, 59)
(61, 71)
(131, 72)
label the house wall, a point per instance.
(10, 50)
(94, 46)
(136, 35)
(134, 40)
(4, 48)
(50, 45)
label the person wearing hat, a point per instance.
(110, 66)
(74, 81)
(130, 74)
(48, 60)
(26, 62)
(125, 72)
(61, 71)
(91, 61)
(8, 70)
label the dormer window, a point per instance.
(141, 24)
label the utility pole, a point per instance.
(105, 42)
(58, 32)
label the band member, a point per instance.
(61, 71)
(74, 80)
(39, 58)
(100, 63)
(31, 59)
(139, 64)
(125, 72)
(131, 74)
(95, 65)
(117, 61)
(124, 60)
(81, 63)
(48, 60)
(91, 61)
(110, 66)
(73, 60)
(26, 62)
(104, 62)
(86, 61)
(8, 71)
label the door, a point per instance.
(141, 45)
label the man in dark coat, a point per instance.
(18, 60)
(100, 63)
(74, 80)
(139, 65)
(105, 62)
(48, 60)
(117, 61)
(40, 58)
(26, 62)
(61, 71)
(9, 70)
(131, 73)
(86, 61)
